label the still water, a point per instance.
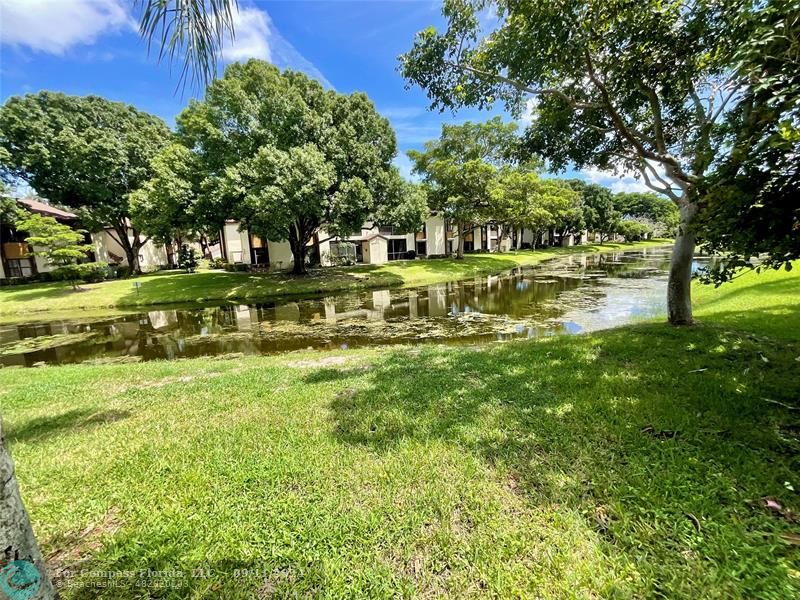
(563, 296)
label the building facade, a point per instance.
(373, 245)
(16, 261)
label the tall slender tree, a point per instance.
(458, 170)
(623, 86)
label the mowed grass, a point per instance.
(165, 287)
(632, 463)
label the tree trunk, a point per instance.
(299, 255)
(131, 249)
(22, 565)
(460, 251)
(679, 284)
(519, 238)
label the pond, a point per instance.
(562, 296)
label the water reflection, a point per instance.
(570, 295)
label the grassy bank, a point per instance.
(208, 286)
(630, 463)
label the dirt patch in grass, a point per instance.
(79, 547)
(326, 361)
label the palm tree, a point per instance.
(194, 29)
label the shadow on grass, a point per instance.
(65, 423)
(660, 437)
(780, 321)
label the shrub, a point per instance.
(90, 272)
(338, 260)
(410, 255)
(187, 259)
(218, 263)
(236, 267)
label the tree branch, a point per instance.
(658, 124)
(671, 165)
(524, 88)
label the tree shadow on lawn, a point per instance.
(38, 291)
(660, 436)
(780, 321)
(38, 429)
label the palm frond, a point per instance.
(192, 30)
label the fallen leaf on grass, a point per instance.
(776, 507)
(664, 434)
(791, 538)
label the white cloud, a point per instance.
(252, 31)
(529, 115)
(54, 26)
(402, 112)
(404, 165)
(255, 36)
(615, 182)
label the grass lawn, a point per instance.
(177, 287)
(629, 463)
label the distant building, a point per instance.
(373, 245)
(17, 263)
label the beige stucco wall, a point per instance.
(237, 244)
(378, 251)
(434, 231)
(151, 255)
(280, 255)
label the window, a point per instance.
(422, 248)
(397, 249)
(344, 250)
(19, 267)
(259, 251)
(387, 230)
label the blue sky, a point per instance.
(92, 47)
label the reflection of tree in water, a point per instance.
(560, 296)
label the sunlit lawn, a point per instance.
(629, 463)
(22, 302)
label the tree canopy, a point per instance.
(169, 206)
(599, 213)
(522, 199)
(646, 206)
(642, 87)
(458, 170)
(289, 158)
(750, 206)
(84, 152)
(59, 245)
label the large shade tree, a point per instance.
(459, 168)
(84, 152)
(290, 159)
(616, 85)
(172, 205)
(648, 207)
